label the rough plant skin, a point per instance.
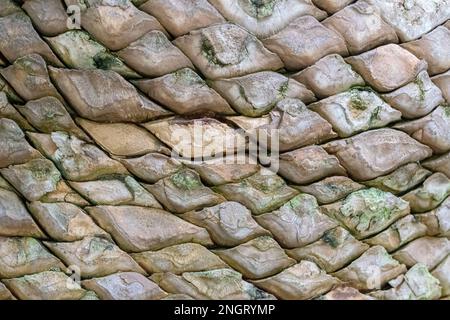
(127, 150)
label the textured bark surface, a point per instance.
(125, 149)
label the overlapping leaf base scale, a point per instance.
(94, 107)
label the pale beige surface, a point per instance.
(358, 207)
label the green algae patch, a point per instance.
(208, 52)
(105, 61)
(223, 284)
(421, 87)
(330, 237)
(98, 246)
(401, 180)
(357, 102)
(422, 283)
(295, 202)
(188, 77)
(417, 284)
(305, 202)
(261, 193)
(282, 91)
(266, 183)
(42, 171)
(259, 9)
(78, 50)
(186, 180)
(264, 243)
(446, 108)
(31, 250)
(369, 211)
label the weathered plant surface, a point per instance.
(225, 149)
